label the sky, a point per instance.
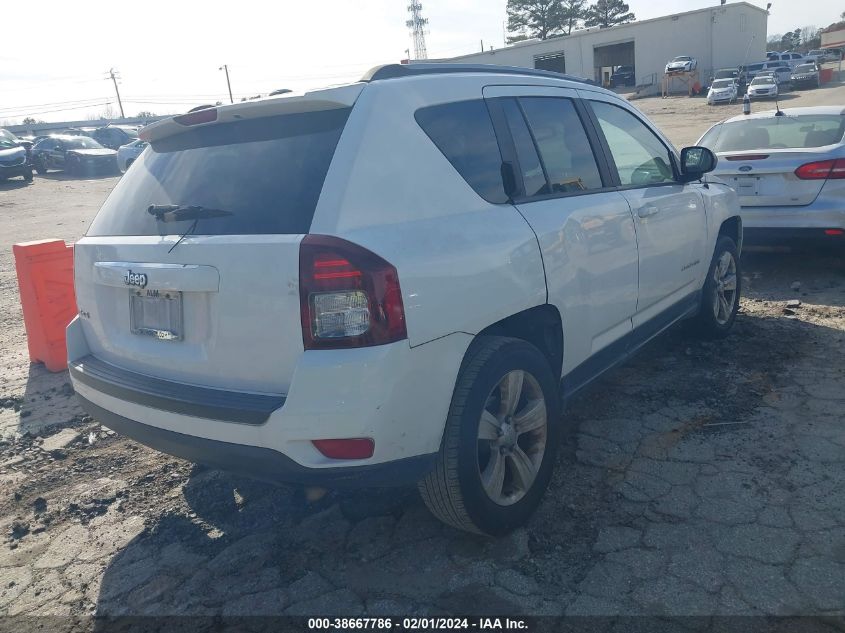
(168, 53)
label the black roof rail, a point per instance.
(397, 71)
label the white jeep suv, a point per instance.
(396, 281)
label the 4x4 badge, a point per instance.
(135, 279)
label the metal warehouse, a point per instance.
(729, 35)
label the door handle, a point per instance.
(647, 210)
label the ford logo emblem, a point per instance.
(746, 168)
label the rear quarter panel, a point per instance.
(463, 263)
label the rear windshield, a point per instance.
(267, 173)
(800, 132)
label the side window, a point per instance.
(565, 151)
(533, 175)
(640, 156)
(463, 132)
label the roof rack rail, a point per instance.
(396, 71)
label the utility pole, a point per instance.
(229, 85)
(114, 78)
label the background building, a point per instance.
(729, 35)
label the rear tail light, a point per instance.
(349, 296)
(822, 170)
(354, 448)
(834, 232)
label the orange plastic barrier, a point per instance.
(45, 280)
(825, 75)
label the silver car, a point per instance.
(788, 170)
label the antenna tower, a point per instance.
(417, 24)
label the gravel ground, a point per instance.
(698, 479)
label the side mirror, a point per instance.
(696, 161)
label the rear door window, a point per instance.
(463, 132)
(533, 176)
(266, 173)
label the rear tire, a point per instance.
(40, 166)
(721, 293)
(499, 444)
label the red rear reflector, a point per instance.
(834, 232)
(822, 170)
(194, 118)
(356, 448)
(747, 157)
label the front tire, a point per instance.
(500, 440)
(40, 166)
(721, 292)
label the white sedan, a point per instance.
(763, 87)
(127, 154)
(722, 90)
(788, 169)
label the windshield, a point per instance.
(762, 80)
(268, 173)
(82, 142)
(805, 68)
(624, 69)
(681, 59)
(726, 73)
(6, 143)
(723, 83)
(799, 132)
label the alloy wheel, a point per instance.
(724, 295)
(512, 434)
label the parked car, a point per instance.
(684, 63)
(781, 74)
(820, 56)
(334, 327)
(805, 76)
(115, 136)
(765, 87)
(127, 154)
(722, 91)
(78, 155)
(773, 55)
(14, 158)
(623, 76)
(729, 73)
(788, 170)
(790, 58)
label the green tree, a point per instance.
(572, 13)
(144, 114)
(605, 13)
(536, 18)
(29, 121)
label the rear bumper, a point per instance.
(262, 463)
(792, 237)
(394, 394)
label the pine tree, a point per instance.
(605, 13)
(573, 12)
(537, 18)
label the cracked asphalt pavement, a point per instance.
(698, 479)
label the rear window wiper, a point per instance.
(178, 212)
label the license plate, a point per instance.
(746, 185)
(157, 314)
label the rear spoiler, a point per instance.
(315, 101)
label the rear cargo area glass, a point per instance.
(267, 173)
